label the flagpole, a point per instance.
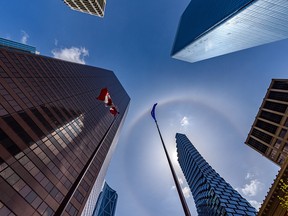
(178, 187)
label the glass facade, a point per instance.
(93, 7)
(268, 134)
(213, 196)
(227, 26)
(15, 45)
(56, 137)
(106, 203)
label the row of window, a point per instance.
(25, 191)
(283, 85)
(60, 153)
(261, 135)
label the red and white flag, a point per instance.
(106, 98)
(113, 111)
(102, 95)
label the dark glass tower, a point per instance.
(210, 28)
(56, 137)
(212, 194)
(106, 203)
(8, 44)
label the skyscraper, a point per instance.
(93, 7)
(213, 196)
(106, 203)
(268, 134)
(56, 138)
(271, 205)
(211, 28)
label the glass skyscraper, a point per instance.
(93, 7)
(106, 203)
(56, 138)
(210, 28)
(213, 196)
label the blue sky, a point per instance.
(214, 102)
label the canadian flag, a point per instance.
(113, 111)
(106, 98)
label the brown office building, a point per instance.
(93, 7)
(268, 134)
(271, 205)
(56, 137)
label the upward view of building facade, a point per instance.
(268, 134)
(106, 203)
(271, 205)
(269, 137)
(209, 28)
(56, 138)
(93, 7)
(213, 196)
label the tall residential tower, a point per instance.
(56, 138)
(210, 28)
(213, 196)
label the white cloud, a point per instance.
(255, 204)
(249, 176)
(72, 54)
(56, 42)
(24, 38)
(252, 188)
(184, 121)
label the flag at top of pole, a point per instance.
(153, 112)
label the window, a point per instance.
(31, 124)
(41, 119)
(280, 85)
(277, 143)
(271, 116)
(282, 96)
(283, 133)
(273, 154)
(257, 145)
(285, 149)
(18, 130)
(281, 159)
(262, 136)
(278, 107)
(286, 123)
(10, 146)
(266, 126)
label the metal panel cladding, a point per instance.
(213, 196)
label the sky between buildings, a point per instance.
(214, 102)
